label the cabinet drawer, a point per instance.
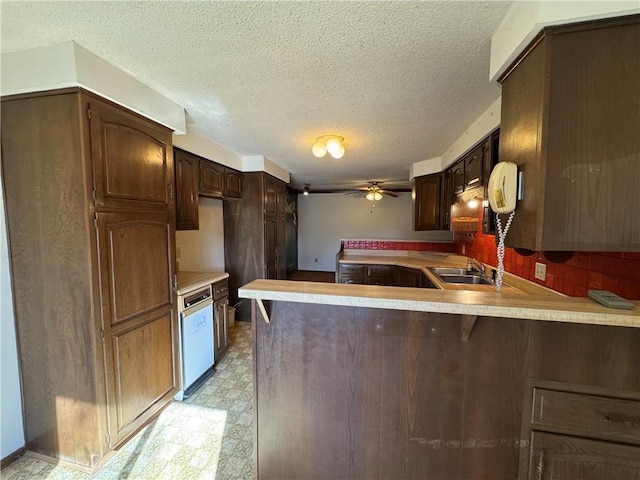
(220, 289)
(589, 415)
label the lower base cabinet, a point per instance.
(384, 275)
(580, 432)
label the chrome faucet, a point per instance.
(480, 266)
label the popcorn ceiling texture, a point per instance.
(399, 80)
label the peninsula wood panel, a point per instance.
(396, 394)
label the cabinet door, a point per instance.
(351, 273)
(269, 195)
(379, 275)
(233, 183)
(426, 202)
(221, 328)
(473, 167)
(270, 246)
(211, 179)
(406, 277)
(281, 198)
(187, 166)
(457, 177)
(446, 200)
(560, 457)
(132, 160)
(136, 265)
(281, 250)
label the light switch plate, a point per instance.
(541, 271)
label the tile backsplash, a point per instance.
(413, 245)
(618, 272)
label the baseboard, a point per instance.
(12, 457)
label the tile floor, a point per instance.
(207, 437)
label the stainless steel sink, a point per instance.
(450, 271)
(460, 275)
(467, 279)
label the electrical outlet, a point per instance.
(541, 271)
(316, 260)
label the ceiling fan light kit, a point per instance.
(328, 143)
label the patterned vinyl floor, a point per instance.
(207, 437)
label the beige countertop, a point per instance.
(188, 281)
(555, 308)
(511, 284)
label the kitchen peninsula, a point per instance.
(366, 381)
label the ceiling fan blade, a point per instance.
(391, 194)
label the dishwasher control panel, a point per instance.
(195, 298)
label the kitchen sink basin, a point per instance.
(466, 279)
(460, 275)
(450, 271)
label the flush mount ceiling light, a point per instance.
(328, 143)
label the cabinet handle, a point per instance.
(540, 466)
(474, 180)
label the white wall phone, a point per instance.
(502, 191)
(503, 187)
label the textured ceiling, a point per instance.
(399, 80)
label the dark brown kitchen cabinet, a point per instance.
(220, 318)
(427, 202)
(379, 275)
(351, 273)
(457, 176)
(579, 431)
(212, 179)
(90, 223)
(570, 120)
(187, 179)
(406, 277)
(254, 235)
(473, 166)
(233, 183)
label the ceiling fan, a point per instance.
(373, 192)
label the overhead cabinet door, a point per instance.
(132, 160)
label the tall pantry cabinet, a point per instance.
(90, 215)
(254, 235)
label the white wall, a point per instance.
(203, 249)
(325, 219)
(11, 426)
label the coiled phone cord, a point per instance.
(501, 236)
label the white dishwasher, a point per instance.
(196, 339)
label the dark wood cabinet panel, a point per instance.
(132, 159)
(187, 180)
(92, 279)
(144, 370)
(427, 192)
(254, 236)
(570, 120)
(406, 277)
(457, 177)
(379, 275)
(351, 273)
(561, 457)
(212, 179)
(473, 166)
(233, 183)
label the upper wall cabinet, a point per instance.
(198, 176)
(570, 120)
(187, 174)
(427, 203)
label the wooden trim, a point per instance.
(12, 457)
